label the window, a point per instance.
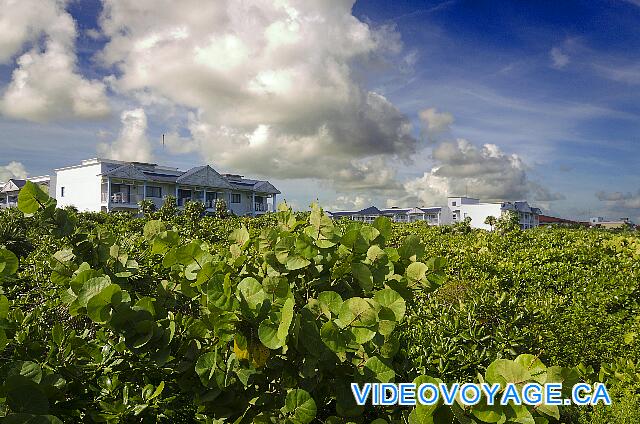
(61, 191)
(235, 198)
(153, 191)
(453, 203)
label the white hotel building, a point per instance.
(112, 185)
(468, 207)
(457, 210)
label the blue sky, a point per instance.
(535, 100)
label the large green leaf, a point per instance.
(504, 371)
(358, 312)
(534, 365)
(377, 369)
(330, 303)
(334, 337)
(391, 299)
(251, 293)
(153, 228)
(416, 272)
(91, 288)
(412, 248)
(300, 407)
(99, 306)
(25, 396)
(4, 307)
(206, 367)
(268, 334)
(8, 262)
(363, 276)
(31, 198)
(285, 320)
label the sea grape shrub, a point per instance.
(147, 207)
(287, 319)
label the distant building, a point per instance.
(467, 207)
(112, 185)
(457, 210)
(552, 220)
(9, 190)
(601, 222)
(432, 215)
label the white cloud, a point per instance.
(12, 170)
(620, 200)
(350, 203)
(132, 143)
(559, 59)
(485, 172)
(627, 73)
(272, 85)
(434, 122)
(46, 84)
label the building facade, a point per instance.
(111, 185)
(467, 207)
(432, 215)
(601, 222)
(10, 189)
(457, 210)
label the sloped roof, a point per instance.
(371, 210)
(265, 187)
(205, 176)
(12, 185)
(197, 176)
(127, 171)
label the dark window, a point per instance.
(453, 203)
(235, 198)
(259, 199)
(61, 191)
(154, 191)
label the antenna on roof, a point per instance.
(163, 141)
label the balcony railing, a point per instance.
(260, 207)
(121, 198)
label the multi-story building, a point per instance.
(9, 190)
(457, 210)
(112, 185)
(467, 207)
(432, 215)
(601, 222)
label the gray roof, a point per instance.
(373, 211)
(146, 172)
(18, 183)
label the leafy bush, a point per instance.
(111, 318)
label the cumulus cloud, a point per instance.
(271, 85)
(46, 83)
(559, 59)
(435, 123)
(462, 168)
(619, 199)
(132, 143)
(12, 170)
(351, 203)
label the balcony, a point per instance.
(121, 199)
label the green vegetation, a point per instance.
(175, 317)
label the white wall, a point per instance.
(478, 213)
(81, 187)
